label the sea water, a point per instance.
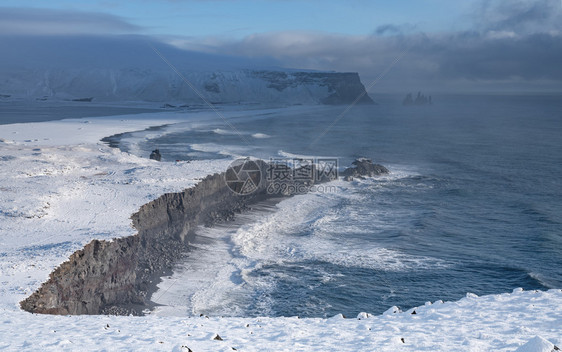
(472, 204)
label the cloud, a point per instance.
(392, 29)
(19, 21)
(511, 41)
(463, 55)
(519, 16)
(387, 28)
(516, 41)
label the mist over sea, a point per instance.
(472, 204)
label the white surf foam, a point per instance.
(288, 155)
(235, 151)
(306, 228)
(303, 228)
(222, 131)
(543, 280)
(261, 136)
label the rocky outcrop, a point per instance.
(118, 276)
(93, 277)
(362, 168)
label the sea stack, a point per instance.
(421, 99)
(362, 168)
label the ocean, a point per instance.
(472, 204)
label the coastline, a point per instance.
(435, 327)
(110, 277)
(67, 167)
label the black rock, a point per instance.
(155, 155)
(364, 167)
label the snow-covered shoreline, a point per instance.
(60, 188)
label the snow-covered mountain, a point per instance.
(135, 69)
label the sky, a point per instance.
(238, 18)
(438, 44)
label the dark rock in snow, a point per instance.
(155, 155)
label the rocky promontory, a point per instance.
(115, 276)
(118, 276)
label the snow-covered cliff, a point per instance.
(166, 86)
(131, 69)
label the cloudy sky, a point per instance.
(511, 45)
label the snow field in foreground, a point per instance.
(490, 323)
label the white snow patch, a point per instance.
(261, 135)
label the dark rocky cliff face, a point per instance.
(116, 277)
(95, 276)
(342, 88)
